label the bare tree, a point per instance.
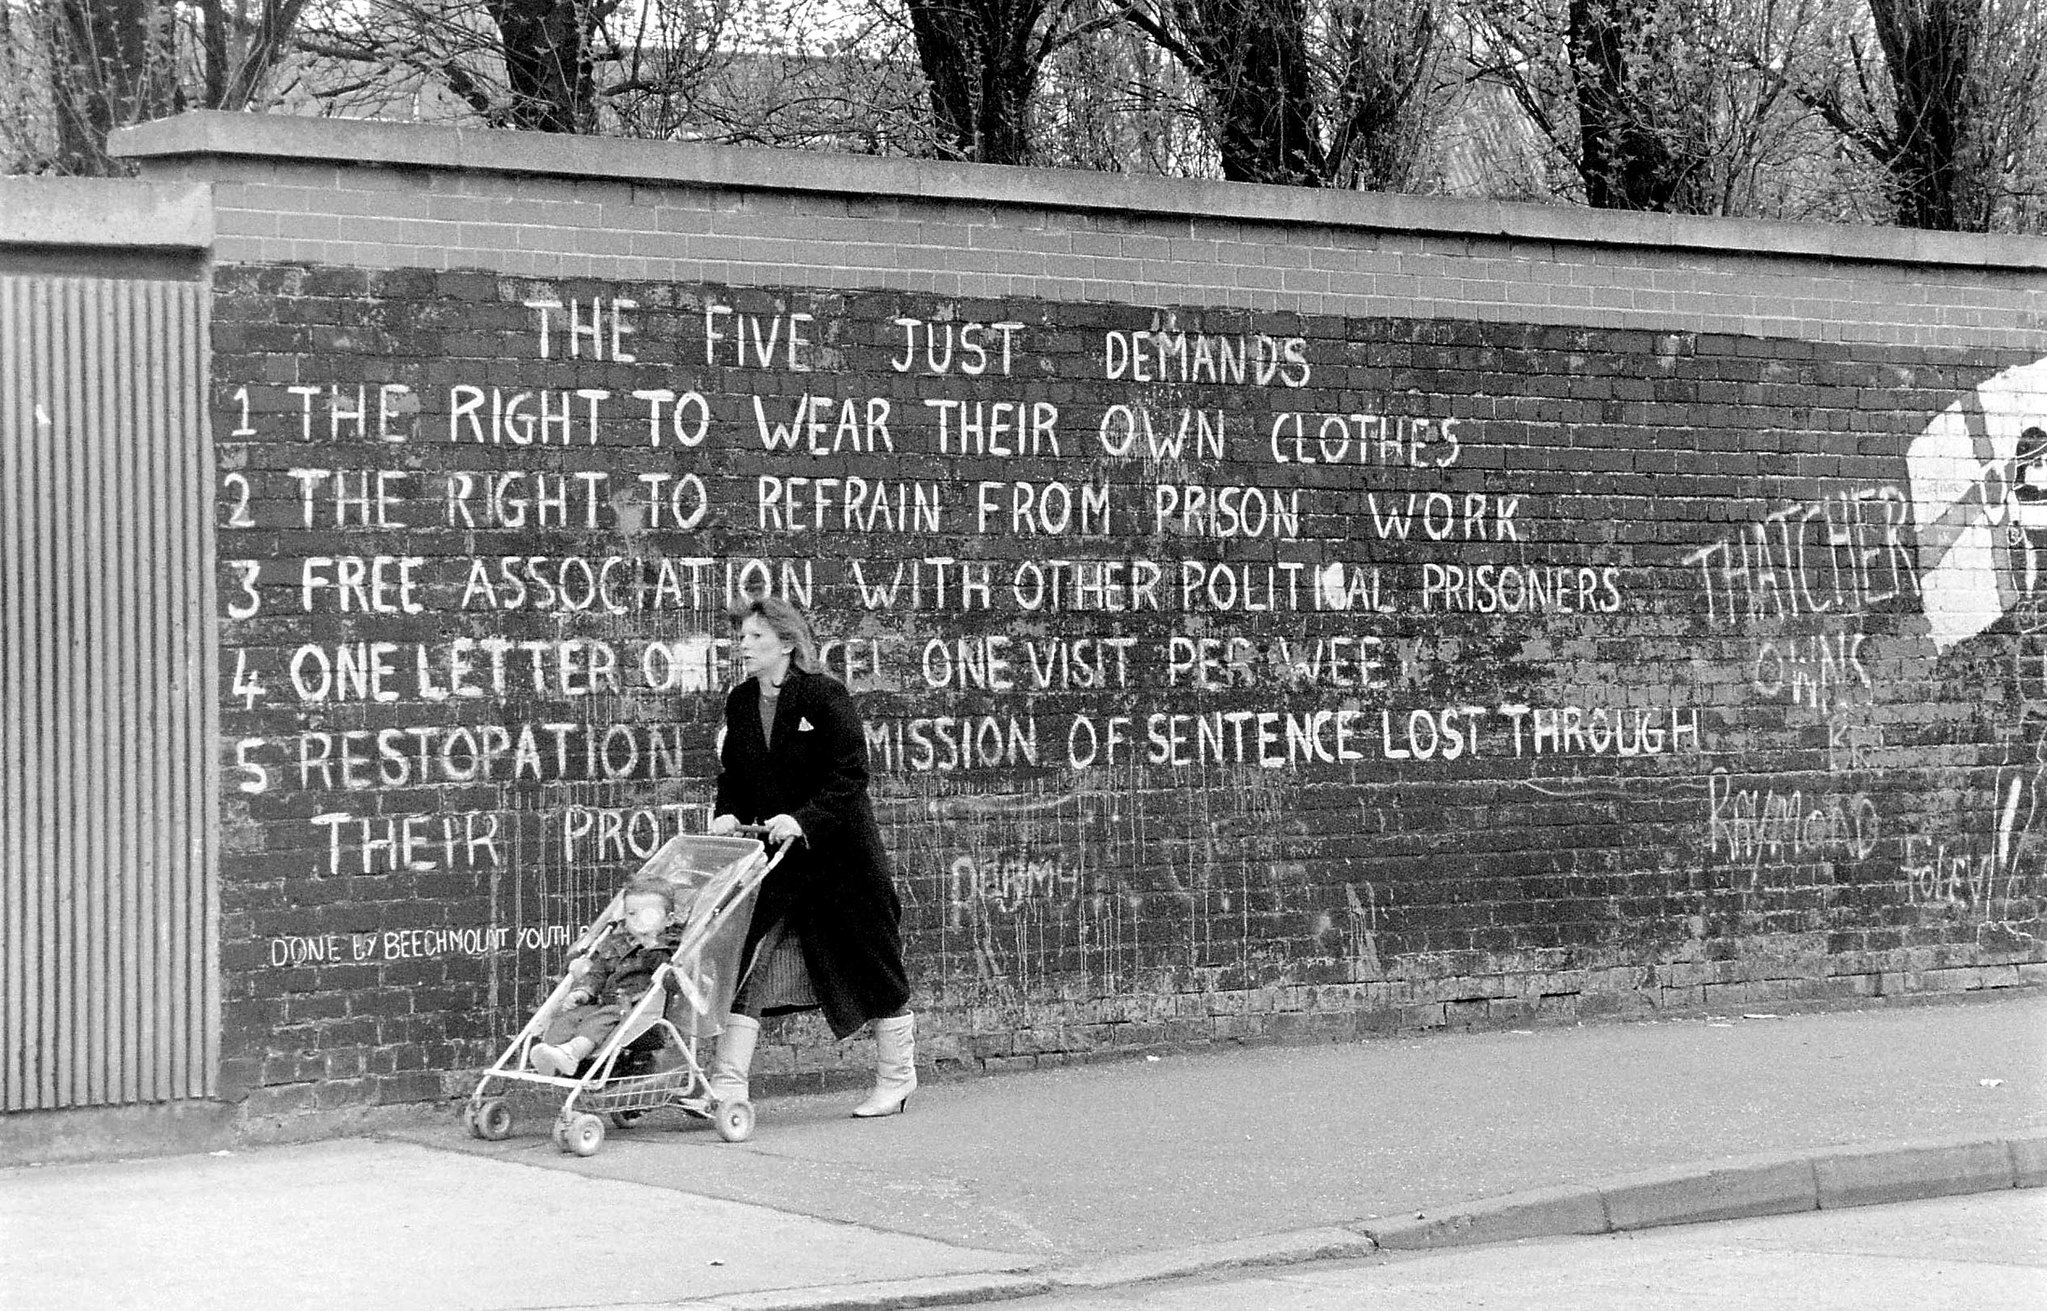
(1304, 94)
(1386, 93)
(791, 73)
(243, 45)
(1926, 112)
(2009, 147)
(545, 45)
(982, 61)
(1651, 104)
(1640, 146)
(1945, 97)
(1601, 82)
(801, 73)
(1116, 102)
(1251, 59)
(510, 63)
(77, 69)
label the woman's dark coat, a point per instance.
(834, 884)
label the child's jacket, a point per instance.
(621, 969)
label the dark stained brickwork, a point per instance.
(1232, 671)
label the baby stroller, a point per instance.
(714, 881)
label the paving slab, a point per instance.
(395, 1226)
(1984, 1252)
(1098, 1176)
(1084, 1163)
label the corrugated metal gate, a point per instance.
(109, 987)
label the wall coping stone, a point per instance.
(104, 212)
(286, 139)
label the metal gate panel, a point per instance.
(109, 988)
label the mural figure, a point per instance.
(1979, 502)
(1979, 496)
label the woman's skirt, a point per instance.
(779, 980)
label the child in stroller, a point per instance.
(618, 968)
(645, 982)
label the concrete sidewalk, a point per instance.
(1084, 1176)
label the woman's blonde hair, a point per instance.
(788, 624)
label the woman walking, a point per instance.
(826, 932)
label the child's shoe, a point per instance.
(551, 1060)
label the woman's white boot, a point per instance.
(734, 1057)
(895, 1067)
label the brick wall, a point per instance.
(1275, 615)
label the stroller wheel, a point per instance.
(734, 1121)
(584, 1135)
(620, 1119)
(492, 1120)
